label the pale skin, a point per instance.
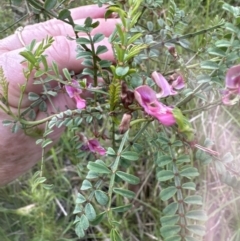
(18, 152)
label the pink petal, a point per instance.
(145, 95)
(94, 146)
(162, 83)
(178, 83)
(229, 97)
(233, 78)
(81, 103)
(74, 91)
(147, 98)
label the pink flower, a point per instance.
(229, 97)
(147, 98)
(166, 88)
(74, 91)
(94, 146)
(232, 81)
(178, 83)
(233, 78)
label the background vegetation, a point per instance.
(41, 215)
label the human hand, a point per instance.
(18, 152)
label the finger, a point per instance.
(51, 28)
(62, 51)
(92, 11)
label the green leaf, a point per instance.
(92, 175)
(165, 175)
(189, 172)
(183, 159)
(115, 236)
(197, 215)
(188, 238)
(216, 52)
(39, 73)
(33, 96)
(169, 230)
(82, 54)
(79, 230)
(111, 152)
(82, 40)
(84, 222)
(67, 74)
(7, 122)
(174, 238)
(64, 14)
(15, 128)
(98, 167)
(87, 71)
(122, 209)
(194, 199)
(124, 192)
(55, 68)
(171, 209)
(90, 212)
(130, 155)
(134, 38)
(128, 177)
(101, 197)
(98, 37)
(104, 63)
(29, 57)
(231, 27)
(223, 43)
(77, 209)
(48, 186)
(50, 4)
(209, 65)
(40, 180)
(169, 220)
(168, 193)
(80, 28)
(80, 198)
(121, 71)
(46, 142)
(163, 160)
(95, 24)
(86, 185)
(101, 49)
(98, 218)
(197, 229)
(88, 22)
(33, 3)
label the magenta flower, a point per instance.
(178, 83)
(95, 147)
(233, 78)
(229, 97)
(147, 98)
(162, 83)
(232, 93)
(74, 91)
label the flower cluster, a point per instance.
(148, 98)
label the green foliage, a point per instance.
(151, 173)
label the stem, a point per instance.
(114, 170)
(177, 182)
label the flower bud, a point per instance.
(125, 123)
(172, 51)
(127, 96)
